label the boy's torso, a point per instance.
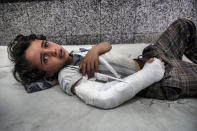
(124, 65)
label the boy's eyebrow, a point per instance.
(41, 55)
(41, 58)
(42, 43)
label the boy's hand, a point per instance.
(156, 67)
(89, 64)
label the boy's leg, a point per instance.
(179, 81)
(191, 52)
(178, 39)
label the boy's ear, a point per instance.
(48, 74)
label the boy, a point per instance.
(50, 58)
(38, 62)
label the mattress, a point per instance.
(53, 110)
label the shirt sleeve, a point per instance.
(67, 77)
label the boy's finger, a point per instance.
(90, 75)
(80, 66)
(88, 69)
(83, 70)
(92, 67)
(96, 66)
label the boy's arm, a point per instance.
(112, 94)
(89, 65)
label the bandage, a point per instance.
(112, 94)
(108, 66)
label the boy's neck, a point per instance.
(70, 60)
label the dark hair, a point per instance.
(23, 71)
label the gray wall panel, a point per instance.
(70, 22)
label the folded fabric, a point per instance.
(42, 84)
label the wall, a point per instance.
(92, 21)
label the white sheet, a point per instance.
(53, 110)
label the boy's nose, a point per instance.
(51, 52)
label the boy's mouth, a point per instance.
(61, 53)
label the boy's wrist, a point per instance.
(101, 48)
(96, 50)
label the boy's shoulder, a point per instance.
(69, 68)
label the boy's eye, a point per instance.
(46, 44)
(45, 58)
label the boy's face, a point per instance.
(47, 56)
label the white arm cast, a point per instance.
(114, 93)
